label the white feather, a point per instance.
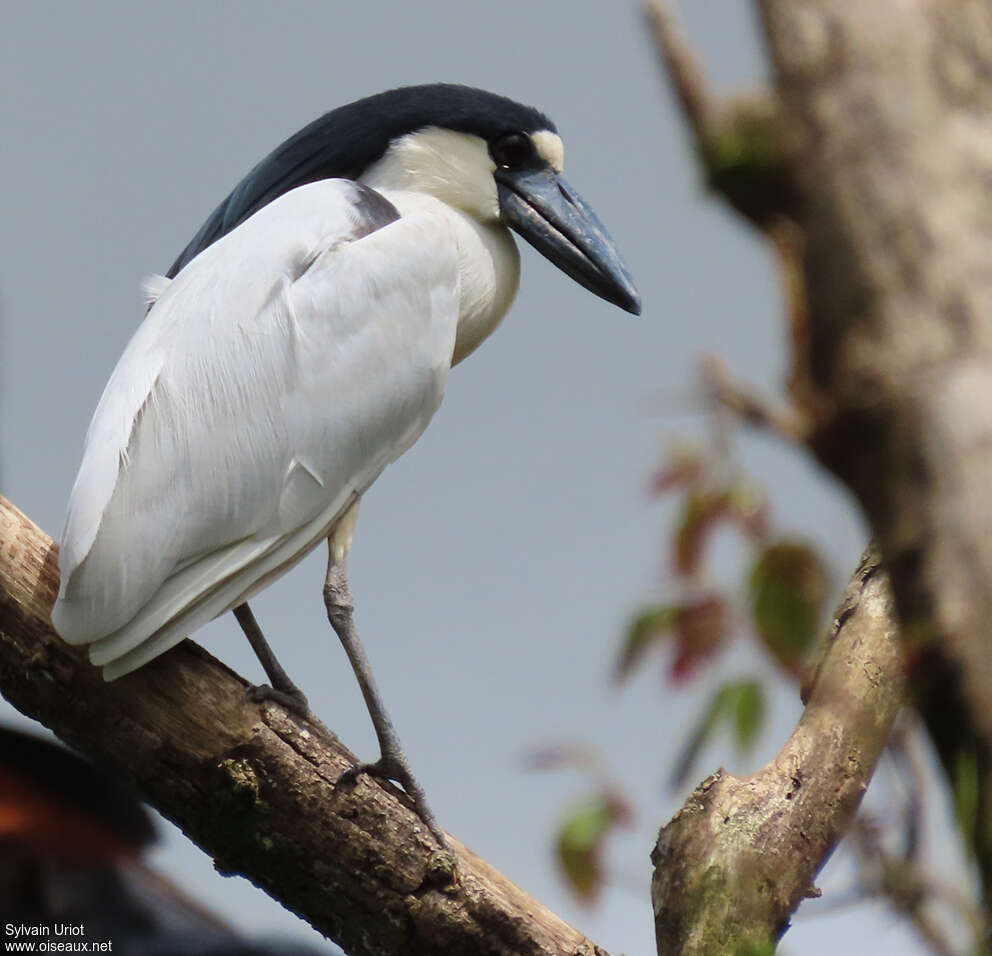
(152, 287)
(271, 382)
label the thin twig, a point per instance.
(685, 71)
(747, 404)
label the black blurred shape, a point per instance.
(71, 839)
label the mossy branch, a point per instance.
(738, 859)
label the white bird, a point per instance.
(301, 345)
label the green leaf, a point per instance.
(739, 705)
(966, 786)
(581, 838)
(788, 585)
(650, 626)
(749, 714)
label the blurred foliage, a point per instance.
(581, 837)
(965, 787)
(697, 627)
(739, 705)
(650, 626)
(788, 586)
(775, 601)
(778, 605)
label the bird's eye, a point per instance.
(512, 150)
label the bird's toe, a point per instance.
(296, 702)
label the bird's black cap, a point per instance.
(346, 141)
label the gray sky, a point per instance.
(495, 564)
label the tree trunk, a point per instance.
(888, 103)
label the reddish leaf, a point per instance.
(703, 511)
(700, 631)
(698, 626)
(788, 585)
(684, 467)
(560, 756)
(581, 838)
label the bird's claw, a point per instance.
(382, 769)
(294, 701)
(395, 769)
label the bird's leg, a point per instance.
(280, 688)
(392, 763)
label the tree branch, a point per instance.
(747, 404)
(257, 789)
(738, 859)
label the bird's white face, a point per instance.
(454, 167)
(512, 180)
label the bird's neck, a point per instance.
(488, 265)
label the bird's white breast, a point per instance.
(448, 176)
(488, 265)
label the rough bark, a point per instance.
(741, 855)
(257, 789)
(889, 107)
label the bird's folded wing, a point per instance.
(209, 586)
(273, 379)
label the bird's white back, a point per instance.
(270, 383)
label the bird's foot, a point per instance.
(394, 767)
(293, 700)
